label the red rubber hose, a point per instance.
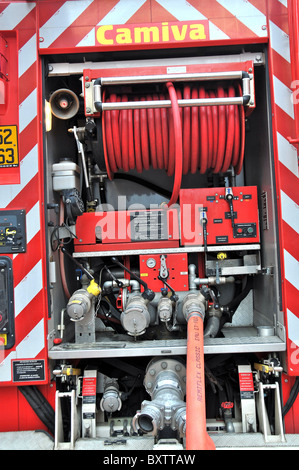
(197, 437)
(187, 132)
(177, 140)
(177, 125)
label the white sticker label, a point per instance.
(176, 70)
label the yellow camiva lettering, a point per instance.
(177, 34)
(165, 32)
(123, 36)
(197, 31)
(147, 33)
(101, 38)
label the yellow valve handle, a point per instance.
(94, 288)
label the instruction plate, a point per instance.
(9, 152)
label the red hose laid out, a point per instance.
(178, 140)
(197, 437)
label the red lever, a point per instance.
(227, 405)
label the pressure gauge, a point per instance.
(151, 263)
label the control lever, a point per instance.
(82, 155)
(163, 268)
(173, 297)
(229, 198)
(118, 282)
(204, 220)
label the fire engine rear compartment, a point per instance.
(244, 276)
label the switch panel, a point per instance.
(219, 216)
(12, 231)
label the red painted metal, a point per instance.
(293, 14)
(104, 231)
(212, 202)
(177, 266)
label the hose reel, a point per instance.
(180, 123)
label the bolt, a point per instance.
(164, 365)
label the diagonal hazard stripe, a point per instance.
(28, 288)
(283, 97)
(119, 14)
(182, 10)
(28, 110)
(287, 154)
(291, 267)
(293, 327)
(28, 348)
(290, 211)
(83, 24)
(14, 13)
(279, 41)
(247, 14)
(27, 55)
(61, 20)
(28, 169)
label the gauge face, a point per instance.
(151, 263)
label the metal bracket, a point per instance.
(60, 443)
(279, 435)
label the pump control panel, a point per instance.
(12, 231)
(219, 216)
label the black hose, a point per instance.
(291, 400)
(88, 274)
(148, 293)
(233, 305)
(153, 187)
(40, 406)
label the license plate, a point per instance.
(9, 154)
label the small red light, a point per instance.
(63, 103)
(227, 405)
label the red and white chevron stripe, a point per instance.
(28, 268)
(287, 171)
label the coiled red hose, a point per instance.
(178, 140)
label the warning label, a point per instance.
(89, 386)
(89, 390)
(246, 385)
(28, 371)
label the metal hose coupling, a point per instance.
(165, 382)
(195, 303)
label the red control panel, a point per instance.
(219, 216)
(171, 267)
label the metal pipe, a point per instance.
(100, 106)
(175, 77)
(125, 282)
(212, 280)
